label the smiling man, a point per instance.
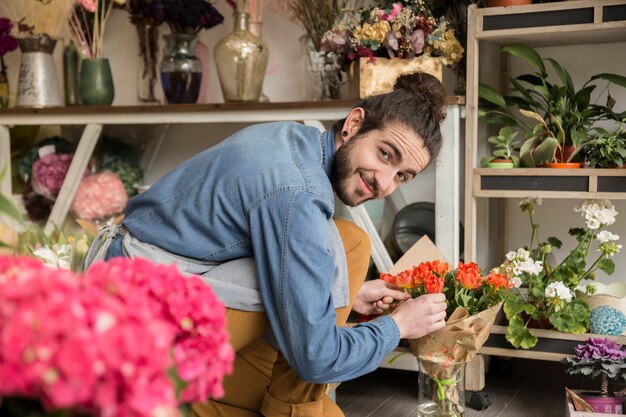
(253, 216)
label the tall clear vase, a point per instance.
(441, 390)
(37, 84)
(148, 36)
(241, 59)
(181, 70)
(323, 78)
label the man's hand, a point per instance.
(376, 296)
(419, 316)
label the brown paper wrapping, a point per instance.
(463, 335)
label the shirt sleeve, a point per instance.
(291, 243)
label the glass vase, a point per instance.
(95, 82)
(323, 77)
(181, 70)
(148, 36)
(441, 390)
(241, 60)
(71, 69)
(37, 83)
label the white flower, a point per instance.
(597, 213)
(521, 255)
(530, 200)
(606, 236)
(57, 257)
(515, 282)
(520, 262)
(559, 290)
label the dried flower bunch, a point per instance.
(33, 18)
(464, 286)
(182, 16)
(69, 342)
(547, 292)
(599, 357)
(404, 29)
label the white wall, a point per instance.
(556, 217)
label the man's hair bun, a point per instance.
(427, 89)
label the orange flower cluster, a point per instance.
(464, 286)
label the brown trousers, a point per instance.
(262, 381)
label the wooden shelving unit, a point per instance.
(564, 23)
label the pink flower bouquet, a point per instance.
(118, 342)
(99, 196)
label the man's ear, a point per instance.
(352, 123)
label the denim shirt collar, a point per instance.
(327, 140)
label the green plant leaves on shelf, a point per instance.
(518, 334)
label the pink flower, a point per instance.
(89, 5)
(417, 41)
(49, 172)
(396, 9)
(99, 196)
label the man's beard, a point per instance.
(343, 171)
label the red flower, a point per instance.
(433, 284)
(469, 275)
(497, 281)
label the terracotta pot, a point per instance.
(569, 165)
(502, 3)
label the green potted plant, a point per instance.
(504, 145)
(600, 358)
(607, 149)
(555, 115)
(544, 293)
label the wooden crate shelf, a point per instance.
(550, 183)
(552, 345)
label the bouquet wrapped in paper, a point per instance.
(474, 300)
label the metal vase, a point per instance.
(95, 82)
(37, 85)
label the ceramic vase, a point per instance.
(95, 82)
(241, 59)
(181, 70)
(71, 69)
(37, 84)
(441, 390)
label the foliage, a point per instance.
(404, 29)
(547, 292)
(504, 145)
(599, 357)
(553, 114)
(182, 16)
(463, 287)
(607, 149)
(71, 342)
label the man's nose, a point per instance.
(386, 182)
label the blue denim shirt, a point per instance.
(265, 192)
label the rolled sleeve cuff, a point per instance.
(390, 331)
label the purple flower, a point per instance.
(7, 42)
(603, 349)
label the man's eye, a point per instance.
(403, 177)
(386, 155)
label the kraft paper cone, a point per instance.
(459, 341)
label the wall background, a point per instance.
(284, 81)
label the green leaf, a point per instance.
(607, 265)
(491, 95)
(614, 78)
(544, 153)
(518, 334)
(7, 207)
(562, 73)
(527, 53)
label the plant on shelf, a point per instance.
(601, 358)
(545, 295)
(556, 117)
(607, 149)
(504, 145)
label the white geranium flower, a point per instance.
(559, 291)
(520, 255)
(597, 213)
(515, 282)
(606, 236)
